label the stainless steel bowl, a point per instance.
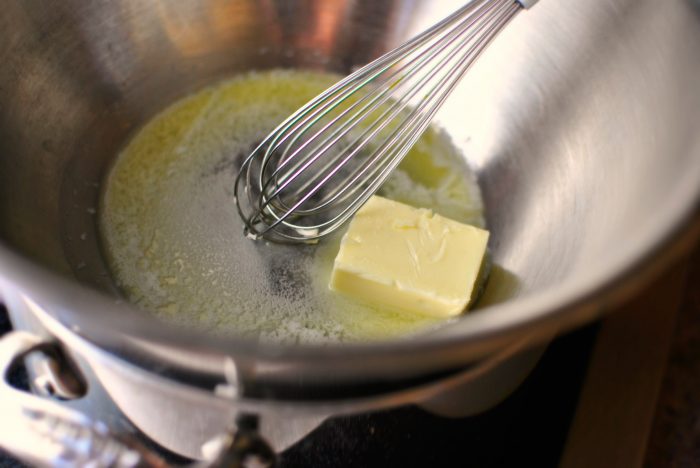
(581, 122)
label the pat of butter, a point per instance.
(409, 259)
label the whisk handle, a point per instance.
(526, 3)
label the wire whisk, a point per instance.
(319, 166)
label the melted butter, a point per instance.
(174, 242)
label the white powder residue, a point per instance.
(175, 243)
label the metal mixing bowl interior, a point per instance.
(580, 122)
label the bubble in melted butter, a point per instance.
(175, 244)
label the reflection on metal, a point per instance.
(46, 433)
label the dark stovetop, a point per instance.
(531, 425)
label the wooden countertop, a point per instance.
(640, 404)
(675, 436)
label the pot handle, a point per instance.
(43, 432)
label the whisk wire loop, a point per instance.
(397, 107)
(320, 165)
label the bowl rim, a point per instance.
(122, 330)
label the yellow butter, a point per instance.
(409, 259)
